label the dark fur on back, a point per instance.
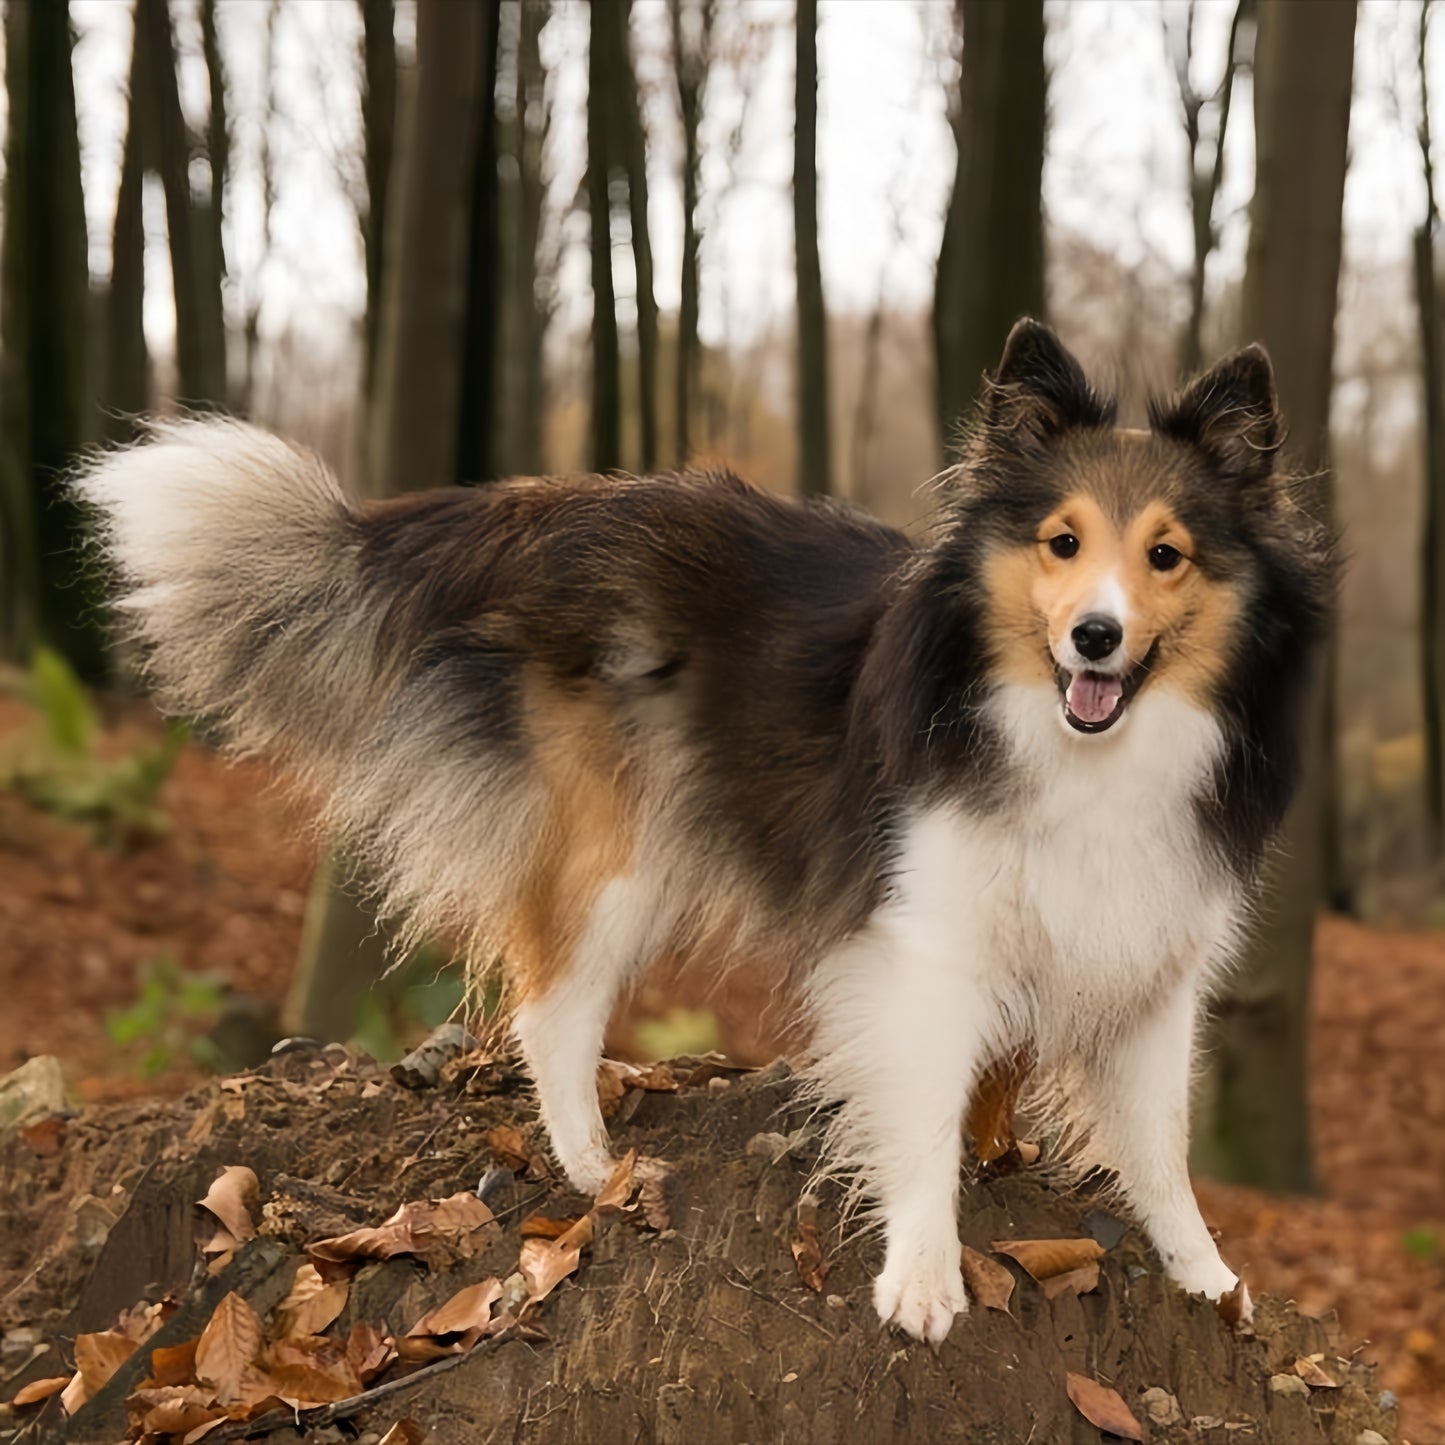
(780, 682)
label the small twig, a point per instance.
(352, 1405)
(783, 1305)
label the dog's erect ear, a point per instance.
(1039, 390)
(1231, 413)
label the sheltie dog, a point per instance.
(1007, 789)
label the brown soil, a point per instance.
(224, 893)
(702, 1332)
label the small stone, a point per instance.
(719, 1084)
(1387, 1400)
(1288, 1385)
(1161, 1407)
(837, 1302)
(1369, 1437)
(771, 1147)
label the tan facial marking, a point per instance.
(587, 832)
(1032, 589)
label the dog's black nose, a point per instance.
(1097, 636)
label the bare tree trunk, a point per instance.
(991, 259)
(1432, 377)
(218, 132)
(252, 337)
(815, 469)
(692, 57)
(49, 593)
(195, 272)
(378, 121)
(533, 124)
(1204, 179)
(126, 391)
(1257, 1126)
(414, 431)
(421, 261)
(606, 356)
(633, 137)
(476, 453)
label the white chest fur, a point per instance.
(1090, 892)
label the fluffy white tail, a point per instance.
(236, 555)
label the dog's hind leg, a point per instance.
(559, 1027)
(1137, 1097)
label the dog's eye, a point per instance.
(1065, 545)
(1165, 558)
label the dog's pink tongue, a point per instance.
(1092, 698)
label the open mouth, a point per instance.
(1095, 701)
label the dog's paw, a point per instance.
(921, 1298)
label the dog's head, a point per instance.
(1115, 560)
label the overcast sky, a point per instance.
(1115, 172)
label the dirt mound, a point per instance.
(697, 1327)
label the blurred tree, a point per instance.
(1257, 1125)
(378, 124)
(266, 165)
(414, 426)
(218, 134)
(632, 136)
(815, 469)
(1432, 377)
(125, 391)
(1206, 171)
(194, 233)
(523, 312)
(427, 268)
(991, 258)
(49, 594)
(602, 75)
(692, 25)
(475, 431)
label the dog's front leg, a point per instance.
(1139, 1126)
(897, 1045)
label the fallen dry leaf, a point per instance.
(405, 1432)
(652, 1201)
(98, 1356)
(38, 1390)
(1045, 1258)
(1102, 1407)
(303, 1384)
(613, 1196)
(1231, 1306)
(988, 1281)
(311, 1304)
(44, 1138)
(991, 1107)
(368, 1351)
(543, 1226)
(1083, 1280)
(507, 1143)
(808, 1248)
(1313, 1376)
(74, 1395)
(436, 1231)
(174, 1364)
(544, 1264)
(229, 1350)
(172, 1409)
(231, 1197)
(468, 1309)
